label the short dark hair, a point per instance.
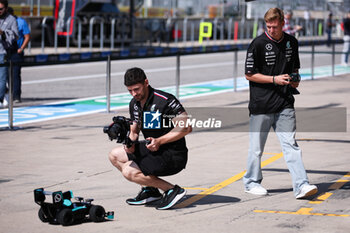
(134, 76)
(5, 3)
(10, 10)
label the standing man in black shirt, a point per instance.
(271, 57)
(152, 112)
(346, 48)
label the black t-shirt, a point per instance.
(156, 115)
(270, 57)
(346, 22)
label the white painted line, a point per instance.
(156, 70)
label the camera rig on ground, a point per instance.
(119, 130)
(62, 210)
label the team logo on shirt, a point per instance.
(151, 120)
(249, 61)
(289, 51)
(288, 44)
(268, 47)
(153, 108)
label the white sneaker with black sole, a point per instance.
(171, 197)
(146, 195)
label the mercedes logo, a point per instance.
(57, 197)
(268, 47)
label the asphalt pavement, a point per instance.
(71, 154)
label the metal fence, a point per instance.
(102, 34)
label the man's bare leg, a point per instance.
(132, 172)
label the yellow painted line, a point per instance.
(301, 211)
(195, 188)
(338, 184)
(274, 212)
(321, 198)
(325, 196)
(304, 211)
(210, 190)
(223, 184)
(315, 202)
(272, 159)
(343, 181)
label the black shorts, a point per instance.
(164, 162)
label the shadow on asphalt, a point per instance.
(214, 199)
(205, 200)
(341, 173)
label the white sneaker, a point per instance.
(306, 190)
(257, 190)
(344, 64)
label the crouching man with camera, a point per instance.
(164, 152)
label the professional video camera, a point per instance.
(295, 77)
(119, 130)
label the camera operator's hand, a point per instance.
(154, 144)
(282, 79)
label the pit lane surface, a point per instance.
(71, 154)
